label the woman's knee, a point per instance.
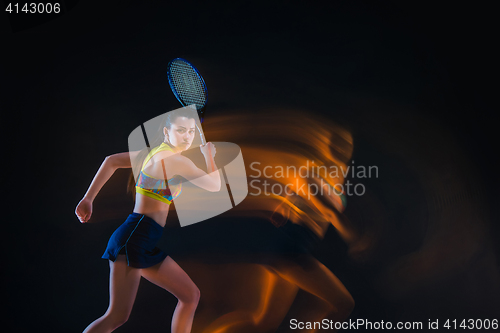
(117, 319)
(192, 296)
(195, 295)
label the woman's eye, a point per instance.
(191, 132)
(180, 131)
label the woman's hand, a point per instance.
(208, 147)
(84, 210)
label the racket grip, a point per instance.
(202, 137)
(211, 158)
(203, 142)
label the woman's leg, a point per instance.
(307, 273)
(170, 276)
(123, 284)
(277, 298)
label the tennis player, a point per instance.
(131, 250)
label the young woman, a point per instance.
(131, 249)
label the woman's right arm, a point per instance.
(106, 170)
(186, 168)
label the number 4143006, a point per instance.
(472, 324)
(33, 8)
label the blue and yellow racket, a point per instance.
(188, 86)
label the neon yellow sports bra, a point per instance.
(157, 188)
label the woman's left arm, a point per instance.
(106, 170)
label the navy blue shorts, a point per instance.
(136, 238)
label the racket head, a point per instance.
(187, 84)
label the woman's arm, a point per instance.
(208, 181)
(186, 168)
(106, 170)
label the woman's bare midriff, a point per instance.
(152, 208)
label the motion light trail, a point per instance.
(285, 139)
(289, 140)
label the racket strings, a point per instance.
(188, 84)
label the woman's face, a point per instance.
(181, 133)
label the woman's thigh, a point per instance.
(171, 277)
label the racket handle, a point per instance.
(202, 137)
(211, 158)
(203, 142)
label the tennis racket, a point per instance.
(189, 88)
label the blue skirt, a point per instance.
(136, 238)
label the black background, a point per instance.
(75, 85)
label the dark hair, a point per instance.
(167, 121)
(173, 115)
